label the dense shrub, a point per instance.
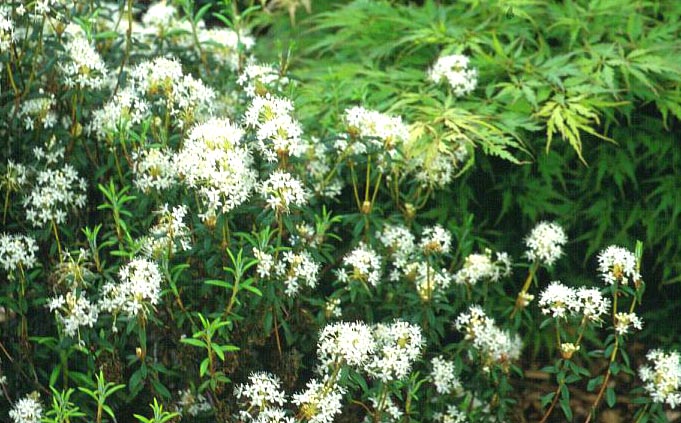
(371, 211)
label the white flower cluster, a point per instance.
(561, 301)
(319, 402)
(497, 347)
(217, 164)
(455, 70)
(436, 167)
(17, 251)
(138, 290)
(74, 311)
(192, 404)
(296, 270)
(332, 308)
(545, 243)
(27, 410)
(618, 265)
(398, 345)
(277, 132)
(453, 415)
(82, 66)
(262, 398)
(444, 376)
(345, 343)
(162, 81)
(7, 34)
(428, 280)
(261, 79)
(319, 161)
(435, 240)
(119, 114)
(662, 381)
(14, 178)
(624, 322)
(223, 45)
(283, 190)
(362, 264)
(390, 412)
(399, 242)
(153, 169)
(54, 192)
(169, 235)
(378, 131)
(481, 267)
(38, 112)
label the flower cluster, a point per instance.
(7, 33)
(561, 301)
(216, 163)
(153, 169)
(82, 66)
(54, 193)
(38, 112)
(283, 190)
(169, 235)
(138, 290)
(377, 131)
(444, 376)
(456, 71)
(624, 322)
(296, 270)
(192, 404)
(277, 132)
(545, 243)
(497, 347)
(662, 380)
(618, 265)
(362, 264)
(481, 267)
(435, 240)
(262, 398)
(260, 79)
(346, 343)
(453, 415)
(320, 402)
(17, 252)
(398, 345)
(27, 410)
(74, 311)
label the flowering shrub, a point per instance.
(188, 226)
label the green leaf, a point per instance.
(610, 397)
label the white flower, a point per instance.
(625, 321)
(399, 242)
(592, 303)
(138, 290)
(496, 347)
(319, 402)
(662, 381)
(558, 300)
(277, 132)
(435, 240)
(398, 345)
(363, 264)
(545, 243)
(27, 410)
(160, 15)
(83, 67)
(390, 412)
(265, 263)
(217, 164)
(378, 131)
(617, 265)
(192, 404)
(455, 70)
(54, 193)
(345, 343)
(296, 270)
(453, 415)
(74, 311)
(260, 79)
(153, 169)
(480, 267)
(444, 376)
(127, 108)
(169, 235)
(7, 33)
(428, 280)
(17, 251)
(38, 112)
(262, 391)
(282, 190)
(223, 44)
(332, 308)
